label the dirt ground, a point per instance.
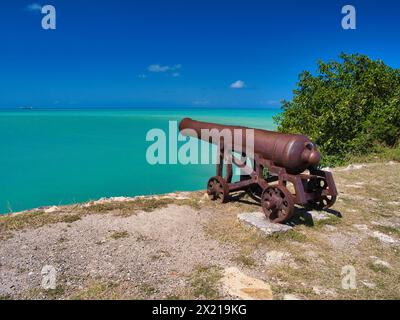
(177, 246)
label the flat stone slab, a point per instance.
(261, 223)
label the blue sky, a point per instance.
(179, 53)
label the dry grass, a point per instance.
(99, 290)
(119, 235)
(50, 294)
(365, 197)
(69, 214)
(245, 260)
(32, 219)
(128, 208)
(204, 282)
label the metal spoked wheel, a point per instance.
(277, 203)
(218, 190)
(323, 201)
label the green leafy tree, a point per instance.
(349, 107)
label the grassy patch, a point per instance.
(291, 235)
(55, 293)
(50, 294)
(146, 290)
(119, 235)
(387, 230)
(245, 260)
(71, 218)
(380, 154)
(331, 220)
(97, 290)
(226, 229)
(159, 255)
(204, 282)
(378, 268)
(33, 219)
(193, 203)
(128, 208)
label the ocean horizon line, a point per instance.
(140, 108)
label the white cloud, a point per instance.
(270, 102)
(201, 102)
(160, 68)
(239, 84)
(34, 7)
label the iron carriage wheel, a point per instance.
(277, 203)
(218, 189)
(322, 201)
(325, 202)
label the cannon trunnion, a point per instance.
(277, 160)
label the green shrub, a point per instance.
(348, 108)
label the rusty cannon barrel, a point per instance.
(294, 152)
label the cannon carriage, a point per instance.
(278, 160)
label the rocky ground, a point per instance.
(182, 246)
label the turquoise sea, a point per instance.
(52, 157)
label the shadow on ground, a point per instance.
(301, 216)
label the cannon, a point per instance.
(283, 170)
